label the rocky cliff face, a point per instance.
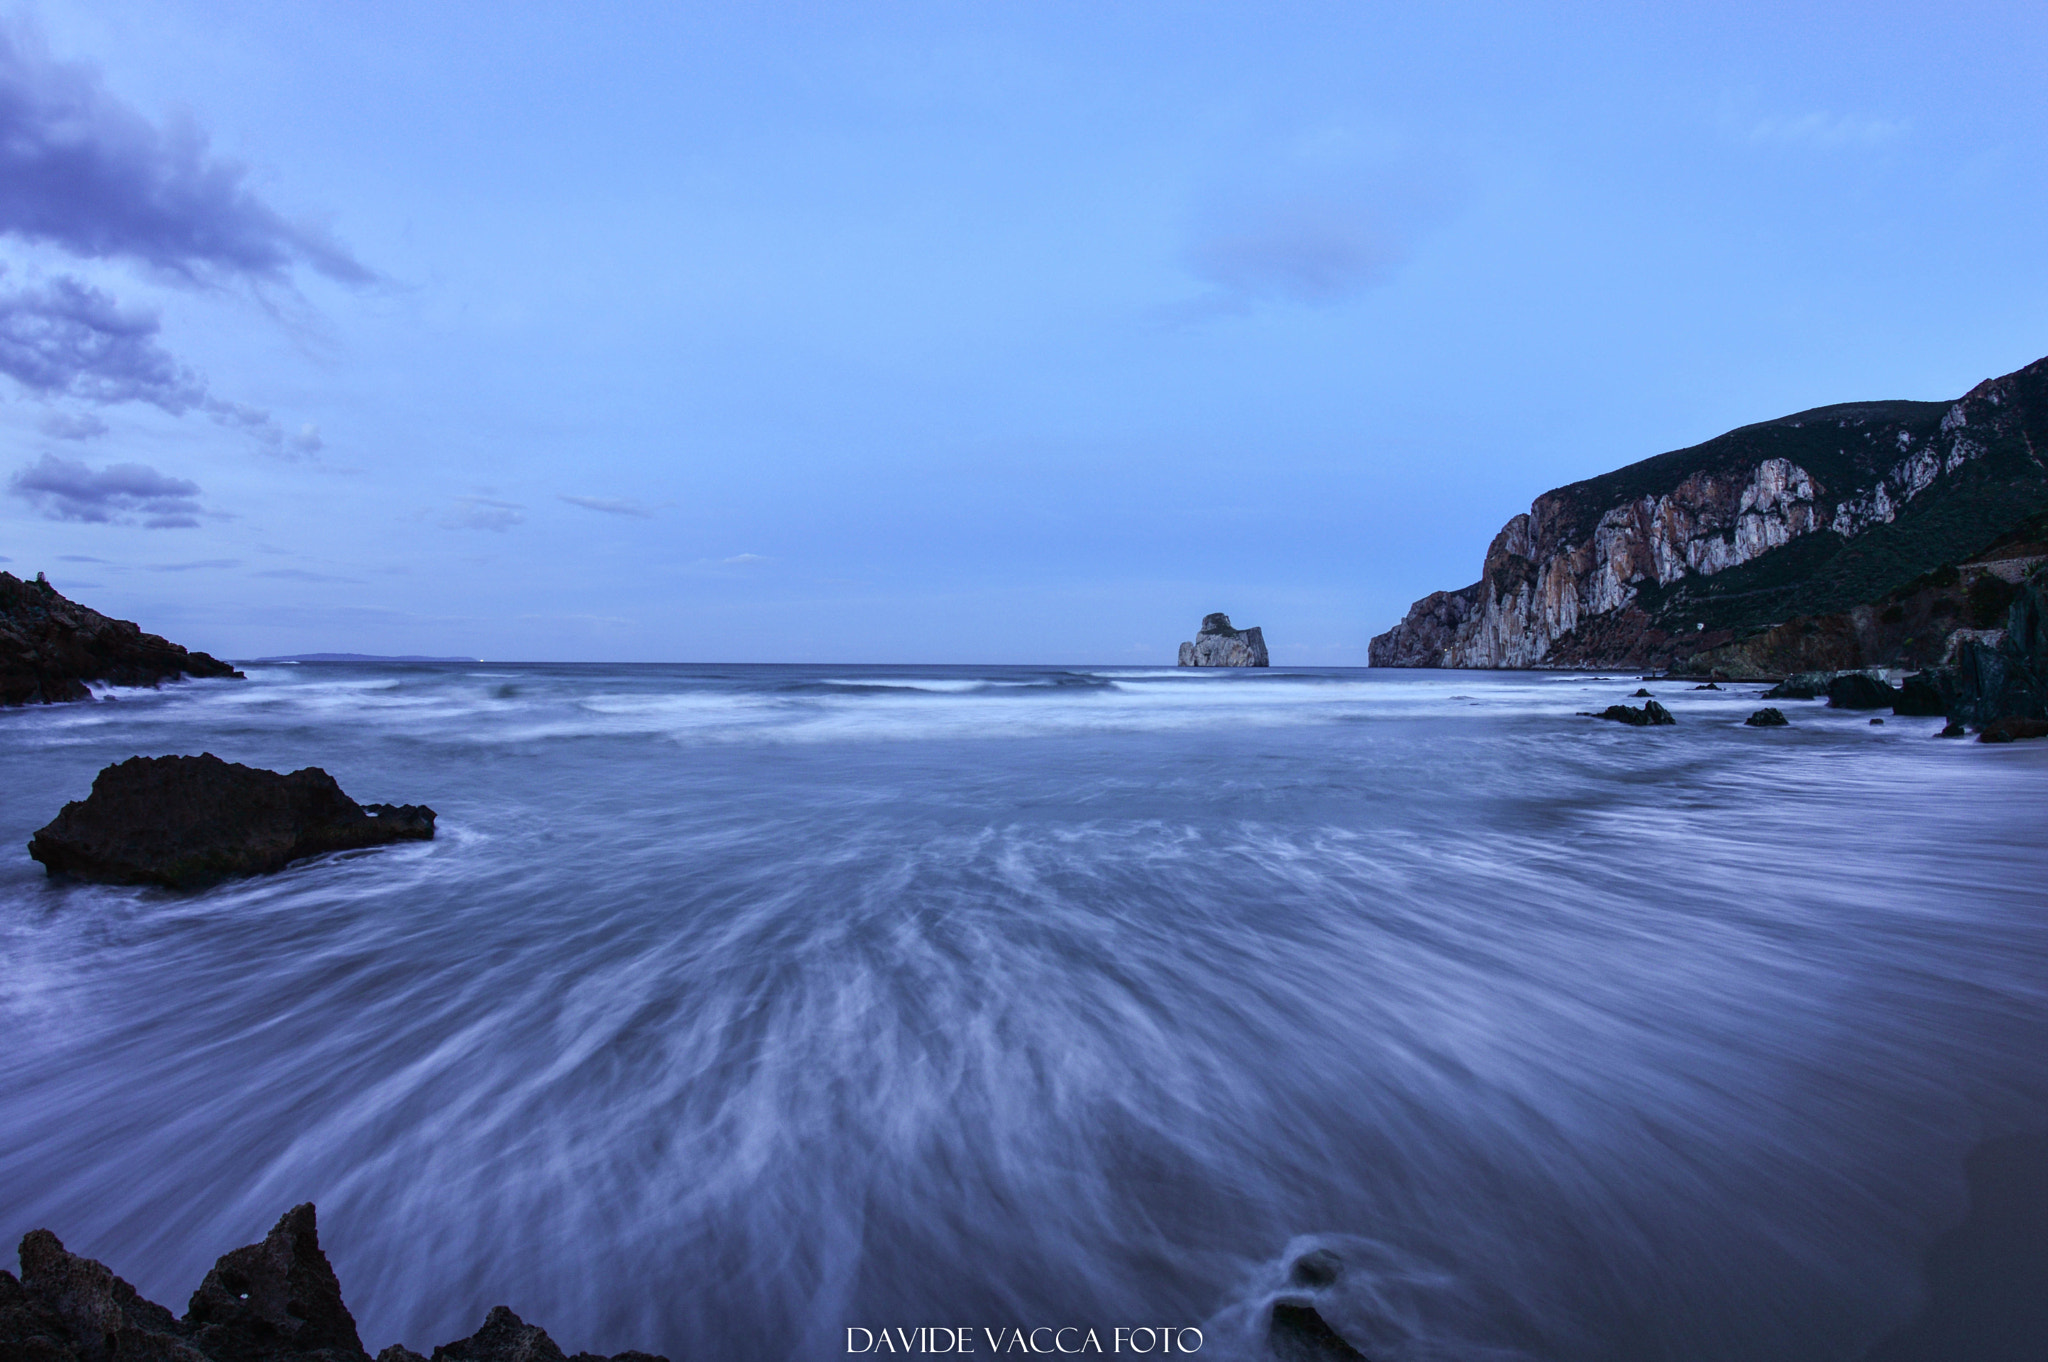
(50, 647)
(1734, 554)
(1219, 645)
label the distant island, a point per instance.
(363, 657)
(1866, 535)
(1219, 645)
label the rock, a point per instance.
(1316, 1268)
(1709, 686)
(2008, 679)
(1951, 730)
(1858, 690)
(1803, 686)
(1641, 694)
(187, 821)
(1650, 715)
(1852, 536)
(50, 647)
(2013, 730)
(1877, 721)
(1919, 697)
(1766, 718)
(1299, 1334)
(275, 1299)
(1219, 645)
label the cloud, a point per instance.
(746, 559)
(72, 425)
(301, 575)
(119, 494)
(1822, 131)
(68, 339)
(608, 505)
(201, 563)
(484, 513)
(85, 172)
(1303, 251)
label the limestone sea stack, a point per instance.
(188, 821)
(273, 1301)
(50, 647)
(1219, 645)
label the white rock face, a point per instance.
(1219, 645)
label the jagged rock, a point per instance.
(1766, 718)
(1919, 697)
(50, 647)
(1852, 536)
(274, 1299)
(1650, 715)
(2013, 730)
(1858, 690)
(1952, 730)
(1219, 645)
(1299, 1334)
(187, 821)
(2008, 679)
(1803, 686)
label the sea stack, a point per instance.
(1219, 645)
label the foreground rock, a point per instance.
(1219, 645)
(188, 821)
(50, 647)
(273, 1301)
(1859, 690)
(2006, 679)
(1767, 718)
(1865, 535)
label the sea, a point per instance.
(746, 1012)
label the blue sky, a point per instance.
(945, 332)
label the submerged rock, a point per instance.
(1642, 693)
(273, 1301)
(2013, 730)
(1766, 718)
(1860, 690)
(1650, 715)
(1219, 645)
(50, 647)
(188, 821)
(1299, 1334)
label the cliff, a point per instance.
(1219, 645)
(50, 647)
(1860, 535)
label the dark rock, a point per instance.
(50, 647)
(1642, 693)
(2009, 680)
(1709, 686)
(2013, 730)
(1859, 690)
(1804, 686)
(1219, 645)
(101, 1316)
(1766, 718)
(1316, 1268)
(1299, 1334)
(186, 821)
(1951, 730)
(1877, 721)
(1919, 697)
(1650, 715)
(275, 1299)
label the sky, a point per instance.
(948, 332)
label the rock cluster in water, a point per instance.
(50, 647)
(1865, 535)
(1651, 715)
(1219, 645)
(273, 1301)
(188, 821)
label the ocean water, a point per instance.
(737, 1007)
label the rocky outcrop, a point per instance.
(50, 647)
(1767, 718)
(188, 821)
(273, 1301)
(1860, 690)
(1219, 645)
(1651, 715)
(1860, 535)
(2007, 679)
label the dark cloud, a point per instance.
(119, 494)
(302, 575)
(193, 566)
(83, 171)
(72, 425)
(608, 505)
(65, 338)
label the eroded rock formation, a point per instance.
(273, 1301)
(187, 821)
(1219, 645)
(50, 647)
(1861, 535)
